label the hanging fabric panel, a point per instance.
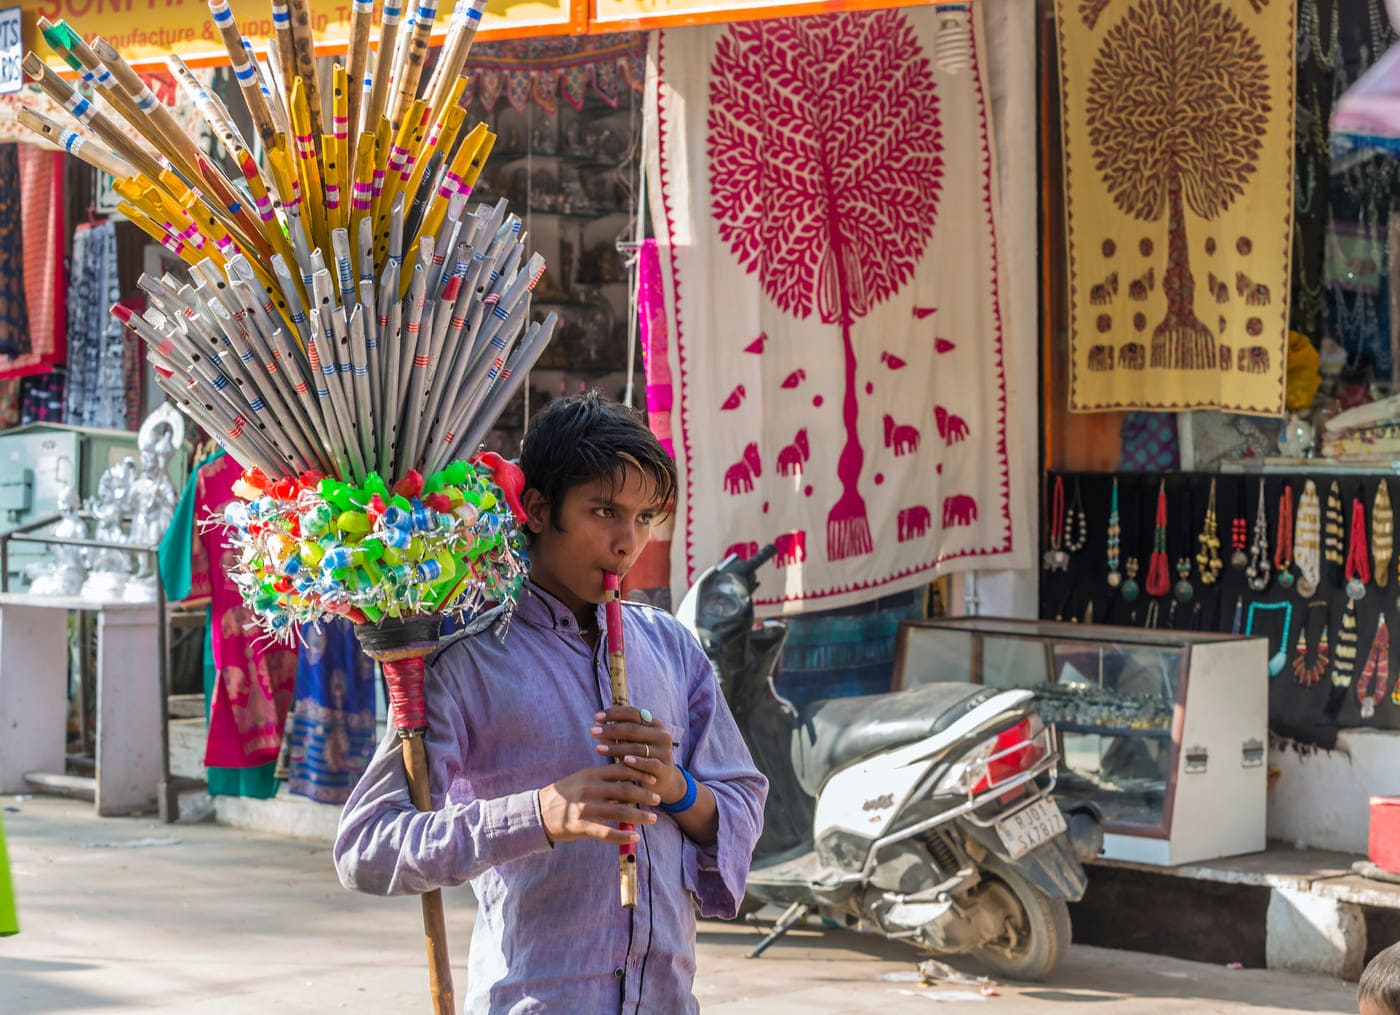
(827, 222)
(1178, 177)
(96, 339)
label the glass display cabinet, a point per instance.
(1164, 730)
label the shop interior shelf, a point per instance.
(1111, 731)
(584, 160)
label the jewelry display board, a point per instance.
(1319, 588)
(1155, 728)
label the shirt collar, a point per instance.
(543, 609)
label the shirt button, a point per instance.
(618, 972)
(563, 623)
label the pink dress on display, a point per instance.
(256, 677)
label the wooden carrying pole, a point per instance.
(402, 647)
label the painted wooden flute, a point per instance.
(617, 676)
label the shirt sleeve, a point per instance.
(384, 846)
(717, 756)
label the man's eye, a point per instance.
(603, 512)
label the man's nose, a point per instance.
(625, 540)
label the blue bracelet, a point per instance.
(686, 802)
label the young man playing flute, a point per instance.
(533, 767)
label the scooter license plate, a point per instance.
(1030, 827)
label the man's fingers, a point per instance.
(613, 773)
(635, 732)
(614, 814)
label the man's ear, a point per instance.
(536, 510)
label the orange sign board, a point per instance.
(632, 15)
(144, 31)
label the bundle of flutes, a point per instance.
(346, 313)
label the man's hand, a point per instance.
(645, 747)
(590, 804)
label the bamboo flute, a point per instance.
(304, 55)
(617, 677)
(340, 125)
(84, 112)
(245, 70)
(361, 21)
(379, 86)
(466, 19)
(414, 54)
(286, 47)
(75, 144)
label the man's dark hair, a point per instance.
(1380, 982)
(583, 438)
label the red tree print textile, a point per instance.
(827, 238)
(829, 233)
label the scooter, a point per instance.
(925, 814)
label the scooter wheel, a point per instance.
(1035, 939)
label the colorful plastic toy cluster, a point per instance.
(313, 545)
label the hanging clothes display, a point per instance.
(96, 339)
(330, 731)
(249, 681)
(40, 182)
(14, 310)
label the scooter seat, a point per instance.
(837, 731)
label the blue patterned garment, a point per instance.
(96, 394)
(330, 730)
(1149, 442)
(14, 310)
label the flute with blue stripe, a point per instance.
(384, 62)
(75, 144)
(85, 113)
(244, 70)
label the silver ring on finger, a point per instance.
(648, 749)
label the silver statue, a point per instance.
(63, 572)
(151, 502)
(108, 568)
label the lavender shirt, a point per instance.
(509, 716)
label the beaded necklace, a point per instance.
(1183, 591)
(1239, 538)
(1055, 558)
(1114, 538)
(1076, 519)
(1159, 579)
(1382, 534)
(1302, 672)
(1257, 573)
(1308, 536)
(1283, 553)
(1279, 659)
(1208, 557)
(1358, 567)
(1332, 541)
(1377, 669)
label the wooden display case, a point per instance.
(1165, 731)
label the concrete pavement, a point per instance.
(129, 915)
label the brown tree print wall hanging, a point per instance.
(1177, 128)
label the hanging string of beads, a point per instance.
(1183, 590)
(1158, 570)
(1382, 534)
(1358, 566)
(1308, 536)
(1208, 557)
(1076, 522)
(1239, 538)
(1257, 573)
(1283, 553)
(1114, 539)
(1055, 558)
